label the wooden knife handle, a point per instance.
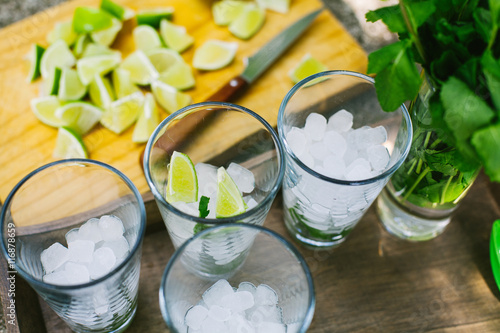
(229, 90)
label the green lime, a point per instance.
(175, 36)
(168, 97)
(87, 19)
(229, 201)
(69, 145)
(163, 58)
(120, 12)
(214, 54)
(44, 109)
(100, 91)
(34, 57)
(182, 181)
(154, 16)
(179, 75)
(280, 6)
(122, 113)
(149, 118)
(146, 38)
(56, 55)
(248, 22)
(79, 116)
(64, 31)
(93, 49)
(52, 83)
(307, 66)
(88, 67)
(80, 44)
(122, 83)
(70, 86)
(141, 69)
(107, 36)
(225, 11)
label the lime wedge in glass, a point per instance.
(122, 83)
(179, 75)
(248, 22)
(214, 54)
(154, 16)
(307, 66)
(80, 44)
(229, 201)
(175, 36)
(70, 86)
(88, 67)
(120, 12)
(100, 91)
(87, 19)
(52, 83)
(44, 109)
(56, 55)
(280, 6)
(122, 113)
(93, 49)
(34, 57)
(182, 180)
(79, 116)
(69, 145)
(146, 38)
(141, 69)
(64, 31)
(225, 11)
(163, 58)
(107, 36)
(149, 118)
(170, 98)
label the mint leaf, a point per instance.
(487, 143)
(482, 20)
(440, 161)
(493, 83)
(391, 16)
(495, 11)
(203, 206)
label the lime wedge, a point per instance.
(80, 44)
(168, 97)
(64, 31)
(141, 69)
(154, 16)
(122, 113)
(101, 64)
(44, 109)
(122, 83)
(107, 36)
(56, 55)
(175, 36)
(182, 181)
(118, 11)
(100, 91)
(179, 75)
(146, 38)
(149, 118)
(70, 86)
(248, 22)
(280, 6)
(52, 83)
(163, 58)
(79, 116)
(93, 49)
(306, 67)
(224, 12)
(34, 57)
(214, 54)
(229, 201)
(87, 19)
(69, 145)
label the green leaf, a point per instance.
(440, 161)
(391, 16)
(445, 66)
(203, 206)
(420, 11)
(493, 83)
(489, 63)
(495, 11)
(487, 144)
(482, 20)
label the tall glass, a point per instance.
(51, 201)
(319, 210)
(218, 134)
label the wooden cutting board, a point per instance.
(26, 143)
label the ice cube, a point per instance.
(318, 150)
(111, 227)
(238, 301)
(251, 203)
(188, 208)
(59, 278)
(335, 143)
(76, 273)
(195, 316)
(219, 313)
(81, 251)
(211, 325)
(269, 327)
(376, 135)
(359, 169)
(72, 235)
(265, 313)
(207, 178)
(103, 261)
(214, 294)
(315, 126)
(334, 167)
(297, 140)
(265, 295)
(247, 286)
(100, 302)
(244, 178)
(239, 324)
(341, 121)
(307, 159)
(378, 156)
(293, 327)
(90, 231)
(119, 246)
(54, 257)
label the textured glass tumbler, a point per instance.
(270, 260)
(320, 211)
(217, 134)
(48, 203)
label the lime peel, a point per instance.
(69, 145)
(182, 179)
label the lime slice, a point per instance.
(44, 109)
(182, 181)
(100, 91)
(69, 145)
(149, 118)
(154, 16)
(107, 36)
(229, 201)
(175, 36)
(101, 64)
(280, 6)
(170, 98)
(93, 49)
(141, 69)
(122, 113)
(224, 12)
(64, 31)
(214, 54)
(52, 83)
(146, 38)
(34, 57)
(86, 20)
(248, 22)
(306, 67)
(118, 11)
(70, 86)
(122, 83)
(79, 116)
(179, 75)
(163, 58)
(80, 44)
(56, 55)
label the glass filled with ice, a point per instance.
(271, 291)
(341, 149)
(73, 229)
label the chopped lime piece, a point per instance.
(64, 31)
(53, 82)
(182, 181)
(122, 113)
(79, 116)
(93, 49)
(44, 109)
(100, 64)
(229, 201)
(179, 75)
(118, 11)
(170, 98)
(214, 54)
(56, 55)
(107, 36)
(34, 57)
(69, 145)
(100, 91)
(146, 38)
(122, 83)
(224, 12)
(154, 16)
(163, 58)
(81, 43)
(141, 69)
(149, 118)
(280, 6)
(86, 20)
(175, 36)
(70, 86)
(248, 22)
(306, 67)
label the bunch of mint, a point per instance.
(456, 42)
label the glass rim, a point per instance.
(268, 198)
(311, 299)
(142, 210)
(385, 174)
